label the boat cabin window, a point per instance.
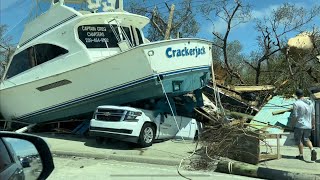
(19, 63)
(139, 36)
(46, 52)
(97, 36)
(102, 35)
(33, 56)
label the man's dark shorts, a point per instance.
(301, 135)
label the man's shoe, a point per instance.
(313, 155)
(299, 157)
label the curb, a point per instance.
(294, 170)
(126, 158)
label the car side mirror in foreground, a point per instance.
(24, 156)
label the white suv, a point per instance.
(139, 126)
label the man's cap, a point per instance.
(299, 92)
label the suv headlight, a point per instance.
(132, 116)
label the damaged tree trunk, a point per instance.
(168, 31)
(244, 169)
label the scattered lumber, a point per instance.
(252, 88)
(240, 115)
(281, 111)
(230, 93)
(231, 99)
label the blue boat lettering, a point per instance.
(185, 52)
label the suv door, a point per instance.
(188, 128)
(168, 126)
(10, 167)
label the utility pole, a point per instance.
(167, 35)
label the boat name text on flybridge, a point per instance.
(185, 52)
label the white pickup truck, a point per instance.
(140, 126)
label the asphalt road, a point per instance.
(33, 171)
(84, 168)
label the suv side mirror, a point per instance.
(29, 154)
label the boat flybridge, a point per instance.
(70, 61)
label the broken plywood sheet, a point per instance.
(277, 103)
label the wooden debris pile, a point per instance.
(222, 138)
(227, 131)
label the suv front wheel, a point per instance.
(147, 135)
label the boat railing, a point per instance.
(123, 44)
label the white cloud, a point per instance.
(218, 26)
(259, 14)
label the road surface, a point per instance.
(84, 168)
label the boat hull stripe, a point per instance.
(107, 91)
(46, 30)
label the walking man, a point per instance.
(303, 115)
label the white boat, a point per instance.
(68, 62)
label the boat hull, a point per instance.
(134, 91)
(126, 77)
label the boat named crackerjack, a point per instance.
(68, 62)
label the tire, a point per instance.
(99, 140)
(147, 135)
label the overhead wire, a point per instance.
(171, 109)
(218, 103)
(35, 10)
(11, 29)
(174, 117)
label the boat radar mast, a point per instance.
(94, 5)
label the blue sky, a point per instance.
(22, 147)
(14, 13)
